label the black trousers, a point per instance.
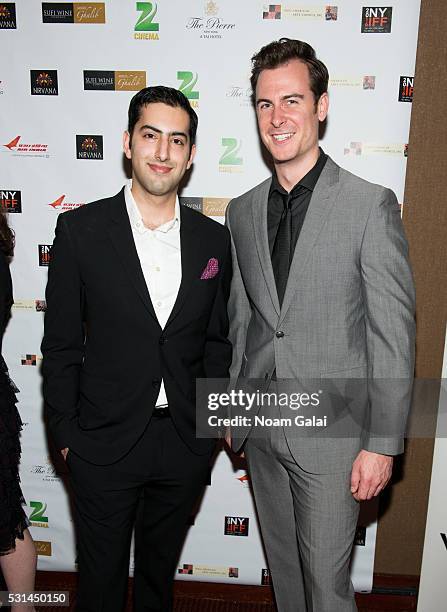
(154, 488)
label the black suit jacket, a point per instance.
(104, 352)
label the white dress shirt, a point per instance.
(160, 258)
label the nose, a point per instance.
(277, 117)
(162, 152)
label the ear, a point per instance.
(126, 145)
(191, 157)
(323, 106)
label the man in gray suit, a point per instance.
(322, 288)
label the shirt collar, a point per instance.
(136, 220)
(308, 181)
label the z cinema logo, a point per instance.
(44, 83)
(10, 201)
(146, 28)
(236, 526)
(44, 255)
(230, 160)
(376, 19)
(188, 81)
(38, 516)
(406, 85)
(89, 147)
(114, 80)
(8, 19)
(73, 12)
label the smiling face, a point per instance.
(159, 149)
(288, 117)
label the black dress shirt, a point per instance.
(299, 198)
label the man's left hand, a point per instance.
(370, 474)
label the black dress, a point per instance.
(13, 520)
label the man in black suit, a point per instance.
(136, 311)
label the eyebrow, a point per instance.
(158, 131)
(286, 97)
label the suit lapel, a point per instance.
(120, 233)
(190, 266)
(323, 199)
(259, 213)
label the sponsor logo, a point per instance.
(37, 305)
(188, 569)
(406, 150)
(210, 24)
(146, 28)
(330, 12)
(44, 83)
(236, 526)
(230, 160)
(326, 12)
(244, 480)
(60, 204)
(47, 471)
(43, 549)
(266, 579)
(110, 80)
(44, 254)
(271, 11)
(406, 84)
(360, 536)
(89, 147)
(369, 82)
(241, 94)
(233, 572)
(11, 201)
(360, 82)
(188, 81)
(211, 207)
(38, 516)
(367, 148)
(29, 360)
(2, 84)
(21, 149)
(376, 19)
(8, 19)
(73, 12)
(194, 203)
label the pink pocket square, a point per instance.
(211, 270)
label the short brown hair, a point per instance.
(281, 52)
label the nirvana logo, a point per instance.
(114, 80)
(44, 254)
(73, 12)
(146, 28)
(406, 84)
(11, 201)
(89, 147)
(236, 526)
(188, 82)
(376, 19)
(8, 19)
(44, 83)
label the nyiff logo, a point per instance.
(186, 569)
(114, 80)
(59, 204)
(43, 549)
(376, 19)
(188, 81)
(271, 11)
(28, 360)
(11, 201)
(73, 12)
(44, 83)
(19, 147)
(360, 536)
(265, 577)
(146, 28)
(89, 147)
(8, 19)
(37, 516)
(236, 526)
(230, 160)
(44, 254)
(406, 85)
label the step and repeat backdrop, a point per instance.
(67, 74)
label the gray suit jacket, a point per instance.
(348, 309)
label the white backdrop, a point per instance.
(67, 73)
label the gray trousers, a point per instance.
(308, 523)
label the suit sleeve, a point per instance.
(63, 342)
(217, 354)
(390, 326)
(239, 310)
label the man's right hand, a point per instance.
(64, 452)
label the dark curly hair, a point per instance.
(6, 236)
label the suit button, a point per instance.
(156, 383)
(279, 334)
(161, 340)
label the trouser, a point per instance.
(154, 488)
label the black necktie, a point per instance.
(281, 255)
